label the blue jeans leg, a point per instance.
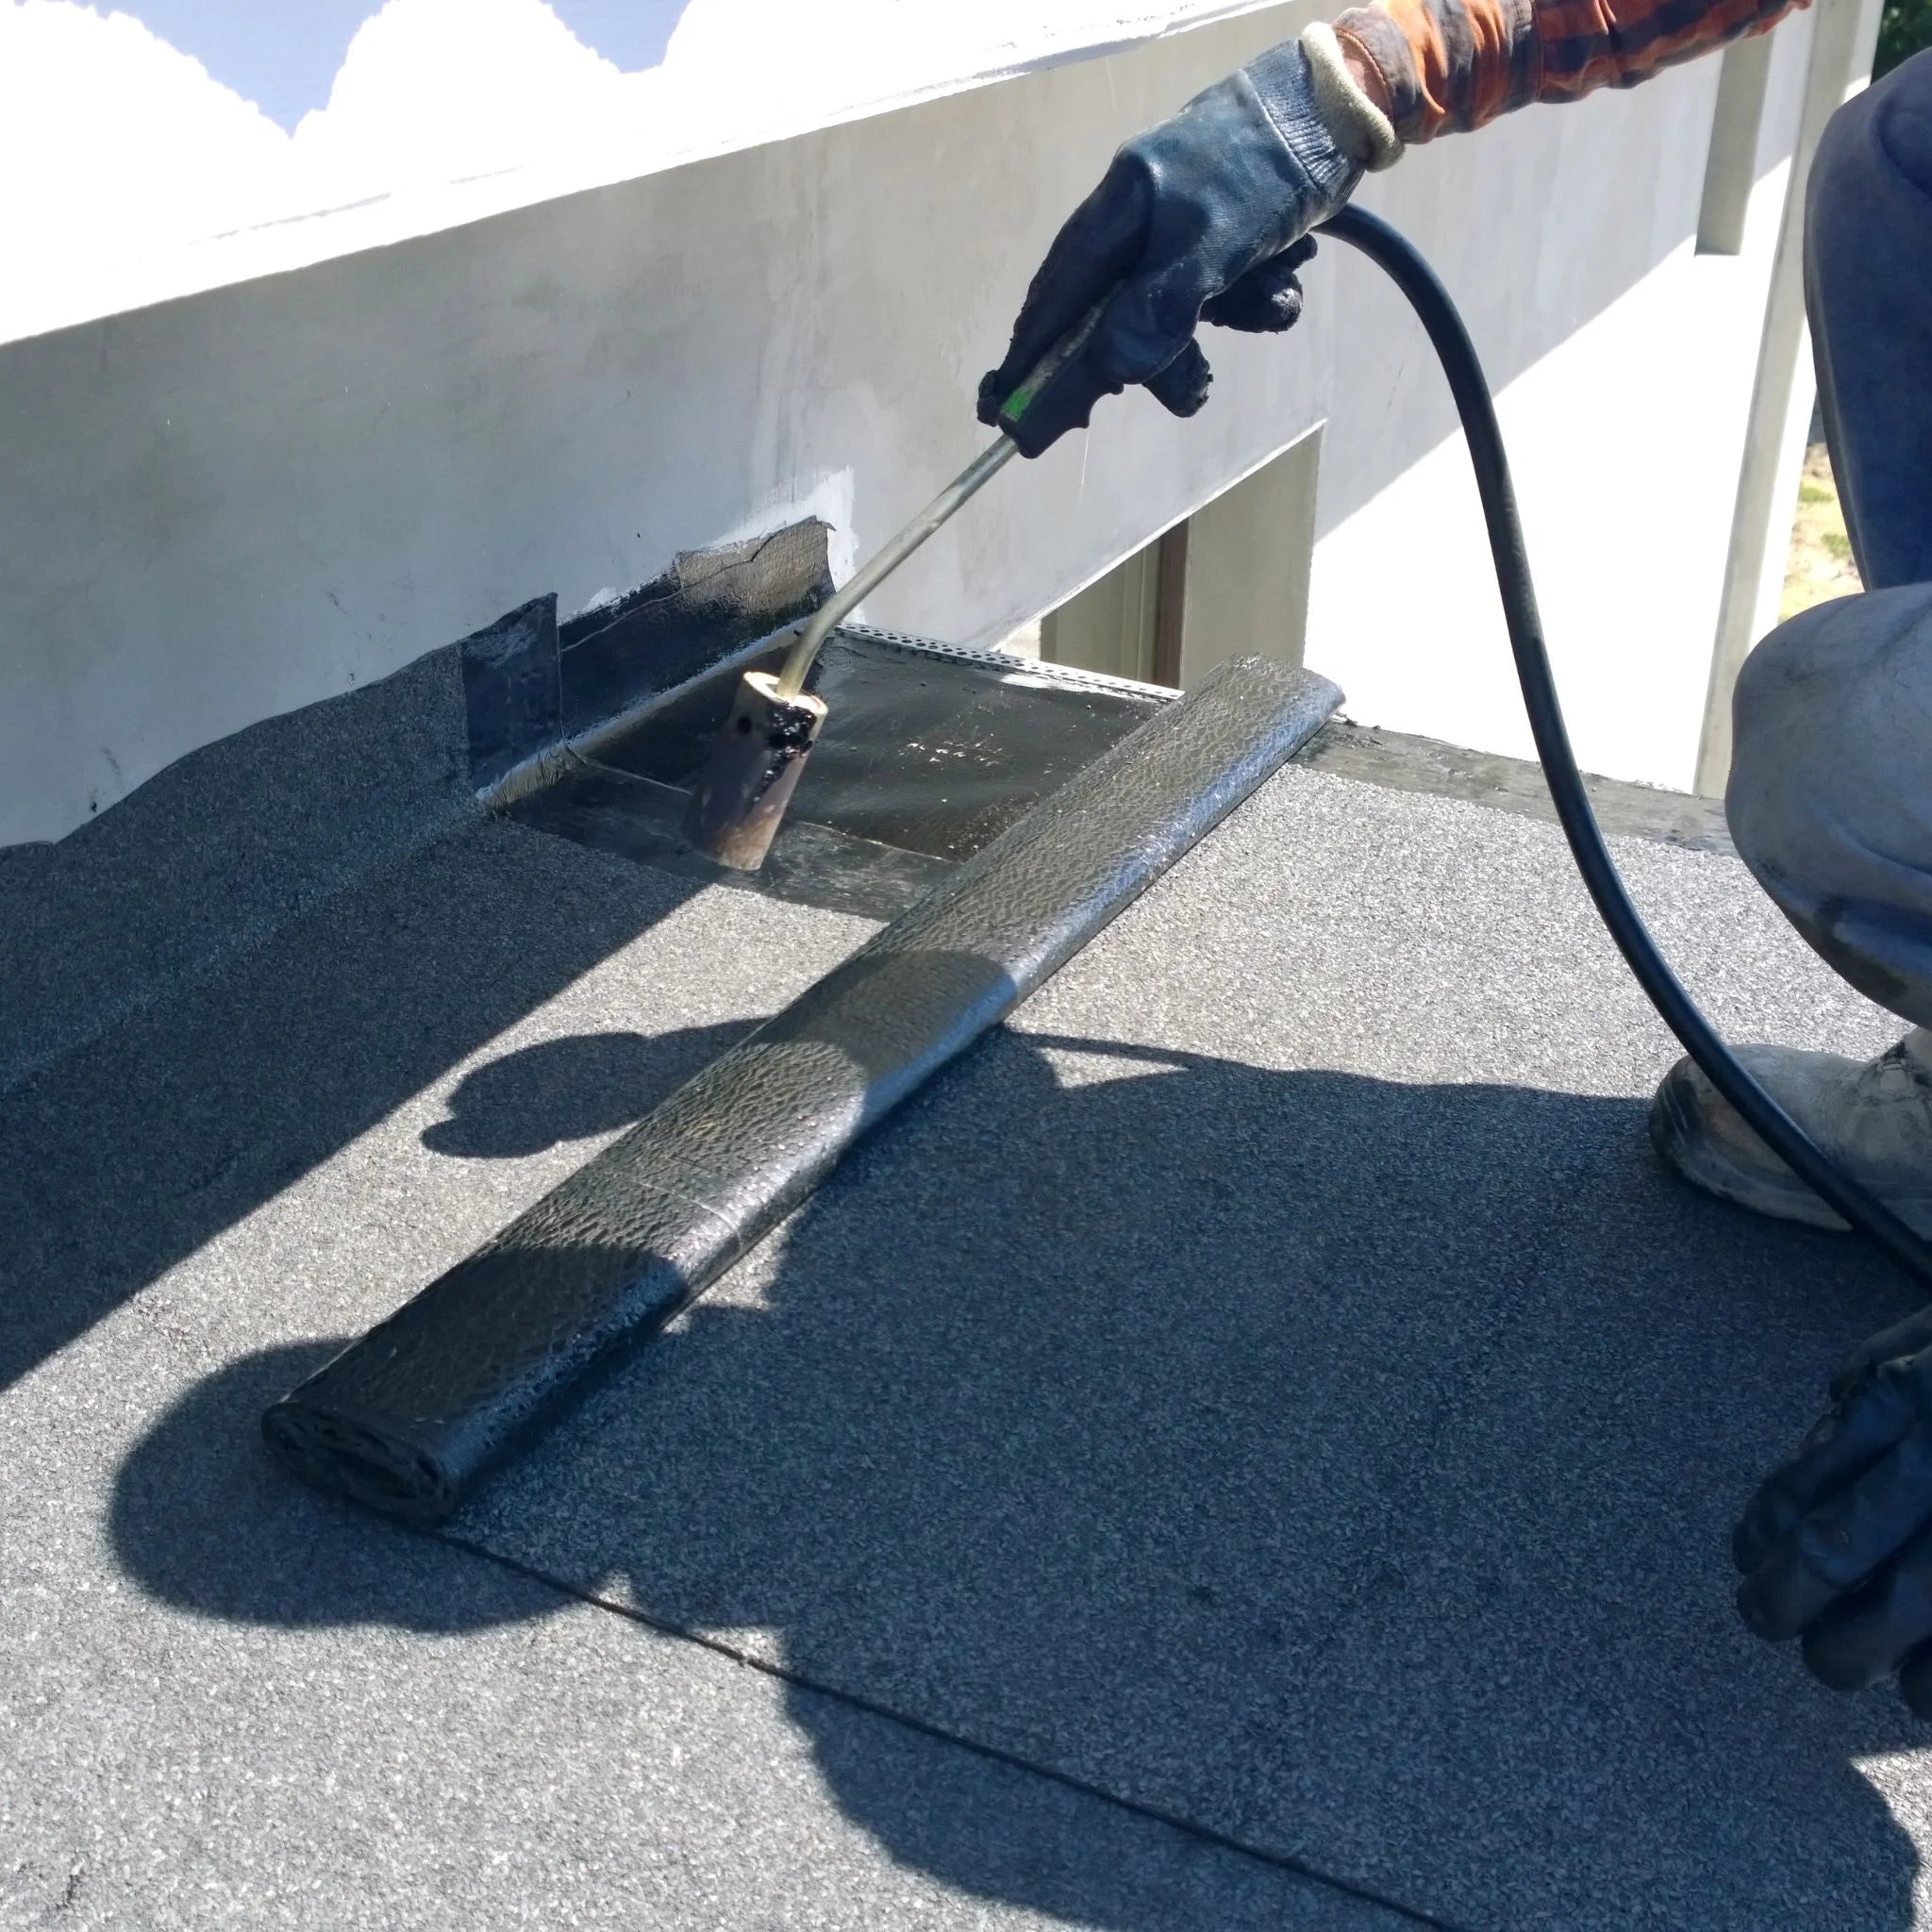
(1868, 288)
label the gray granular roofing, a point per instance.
(226, 1702)
(1271, 1384)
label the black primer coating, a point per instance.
(709, 603)
(511, 689)
(930, 751)
(409, 1418)
(814, 865)
(529, 682)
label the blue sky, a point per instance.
(284, 55)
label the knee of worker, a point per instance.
(1830, 794)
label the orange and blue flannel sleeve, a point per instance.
(1454, 64)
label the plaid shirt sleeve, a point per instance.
(1458, 63)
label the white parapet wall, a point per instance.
(331, 332)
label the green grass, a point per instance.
(1903, 29)
(1819, 563)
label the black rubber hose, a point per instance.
(1399, 260)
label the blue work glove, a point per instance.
(1199, 219)
(1836, 1546)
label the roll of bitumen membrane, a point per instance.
(409, 1419)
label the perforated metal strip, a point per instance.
(1010, 662)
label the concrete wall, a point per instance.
(1249, 557)
(222, 506)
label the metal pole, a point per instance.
(981, 470)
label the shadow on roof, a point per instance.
(1342, 1464)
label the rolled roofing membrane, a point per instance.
(410, 1418)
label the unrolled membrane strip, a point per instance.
(409, 1418)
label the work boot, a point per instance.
(1871, 1120)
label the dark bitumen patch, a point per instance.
(707, 605)
(530, 682)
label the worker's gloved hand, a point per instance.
(1836, 1546)
(1201, 218)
